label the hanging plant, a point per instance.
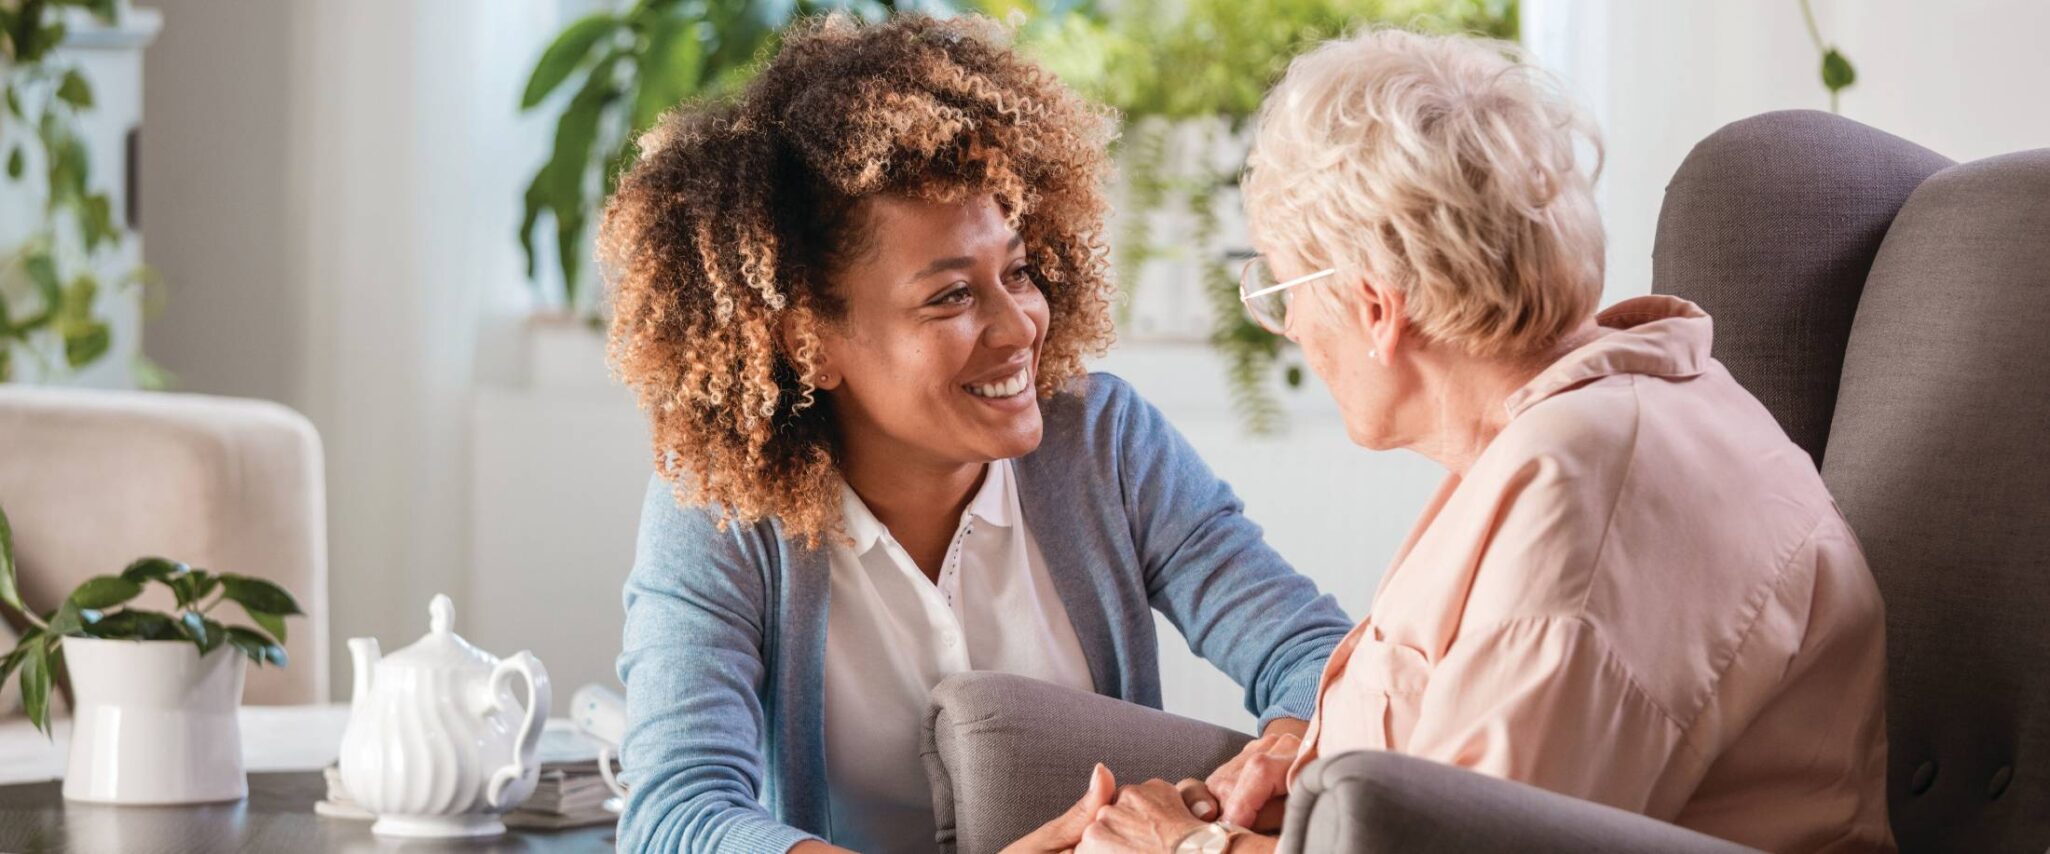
(1164, 65)
(1837, 73)
(48, 290)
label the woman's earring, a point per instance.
(1373, 354)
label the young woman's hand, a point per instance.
(1065, 831)
(1252, 788)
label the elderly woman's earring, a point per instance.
(1373, 354)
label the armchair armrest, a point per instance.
(1371, 801)
(1007, 753)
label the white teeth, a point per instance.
(1004, 388)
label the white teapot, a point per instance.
(436, 745)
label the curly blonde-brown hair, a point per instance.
(736, 214)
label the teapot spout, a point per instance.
(364, 653)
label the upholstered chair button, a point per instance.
(1925, 774)
(1999, 782)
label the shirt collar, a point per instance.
(1659, 336)
(995, 503)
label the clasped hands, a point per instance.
(1250, 791)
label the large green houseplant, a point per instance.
(48, 287)
(99, 609)
(625, 68)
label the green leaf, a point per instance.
(42, 272)
(257, 594)
(569, 244)
(188, 587)
(562, 57)
(105, 591)
(15, 164)
(273, 623)
(66, 620)
(559, 186)
(77, 170)
(30, 50)
(96, 222)
(10, 592)
(35, 684)
(198, 630)
(86, 345)
(216, 634)
(154, 569)
(149, 376)
(16, 656)
(1837, 73)
(14, 103)
(260, 649)
(133, 624)
(668, 71)
(203, 585)
(13, 659)
(75, 90)
(6, 359)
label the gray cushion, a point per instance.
(1770, 225)
(1371, 802)
(1005, 753)
(1940, 457)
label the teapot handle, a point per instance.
(500, 793)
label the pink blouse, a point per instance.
(1641, 594)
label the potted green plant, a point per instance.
(154, 694)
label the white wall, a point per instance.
(333, 194)
(1965, 79)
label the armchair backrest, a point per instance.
(1893, 311)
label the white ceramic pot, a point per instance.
(155, 723)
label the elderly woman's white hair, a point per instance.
(1443, 167)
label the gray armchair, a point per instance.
(1891, 309)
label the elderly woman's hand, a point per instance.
(1065, 831)
(1148, 818)
(1252, 788)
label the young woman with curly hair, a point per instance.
(855, 303)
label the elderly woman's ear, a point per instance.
(1375, 312)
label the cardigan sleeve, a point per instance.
(1208, 569)
(692, 662)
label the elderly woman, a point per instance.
(855, 303)
(1632, 587)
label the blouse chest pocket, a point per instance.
(1373, 703)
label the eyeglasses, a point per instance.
(1266, 300)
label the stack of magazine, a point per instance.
(571, 793)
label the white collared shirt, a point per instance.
(892, 634)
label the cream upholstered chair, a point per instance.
(94, 479)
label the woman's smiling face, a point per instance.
(935, 357)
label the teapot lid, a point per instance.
(442, 648)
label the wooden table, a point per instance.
(276, 817)
(284, 748)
